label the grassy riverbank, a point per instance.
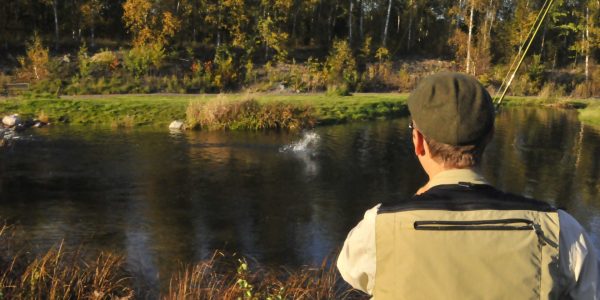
(161, 109)
(591, 114)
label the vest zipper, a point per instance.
(501, 224)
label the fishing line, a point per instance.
(527, 38)
(545, 8)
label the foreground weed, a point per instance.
(76, 274)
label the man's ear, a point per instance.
(418, 142)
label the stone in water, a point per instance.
(176, 125)
(11, 121)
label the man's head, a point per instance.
(453, 115)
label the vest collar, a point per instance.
(456, 176)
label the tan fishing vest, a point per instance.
(467, 242)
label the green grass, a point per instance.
(591, 114)
(161, 109)
(546, 102)
(95, 110)
(589, 109)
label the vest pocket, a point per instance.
(472, 259)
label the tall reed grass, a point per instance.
(76, 274)
(60, 274)
(126, 121)
(247, 114)
(215, 279)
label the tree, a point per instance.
(272, 26)
(34, 66)
(91, 11)
(149, 25)
(387, 22)
(54, 4)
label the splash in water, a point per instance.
(309, 141)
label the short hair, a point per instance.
(458, 157)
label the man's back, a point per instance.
(469, 241)
(459, 238)
(466, 242)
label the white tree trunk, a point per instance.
(410, 18)
(468, 69)
(360, 19)
(387, 22)
(55, 9)
(587, 44)
(350, 22)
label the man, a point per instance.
(458, 237)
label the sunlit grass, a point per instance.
(591, 114)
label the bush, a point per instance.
(590, 88)
(226, 71)
(52, 86)
(34, 66)
(140, 60)
(83, 62)
(4, 79)
(379, 77)
(308, 77)
(104, 62)
(224, 114)
(552, 90)
(341, 66)
(338, 90)
(405, 82)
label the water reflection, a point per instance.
(165, 198)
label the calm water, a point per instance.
(164, 199)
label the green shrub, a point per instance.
(83, 61)
(338, 90)
(532, 81)
(140, 60)
(405, 81)
(50, 86)
(226, 70)
(341, 66)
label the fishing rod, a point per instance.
(528, 40)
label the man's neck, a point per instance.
(452, 176)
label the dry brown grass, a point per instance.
(222, 277)
(126, 121)
(43, 117)
(71, 274)
(248, 114)
(60, 274)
